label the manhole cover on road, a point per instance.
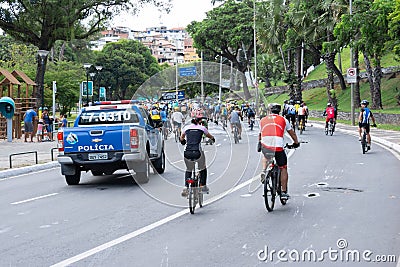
(311, 195)
(340, 189)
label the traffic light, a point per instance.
(7, 107)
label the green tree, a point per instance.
(227, 31)
(126, 65)
(394, 29)
(68, 76)
(43, 22)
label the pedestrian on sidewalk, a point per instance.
(39, 132)
(63, 119)
(29, 118)
(48, 122)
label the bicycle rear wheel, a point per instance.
(364, 142)
(236, 135)
(192, 197)
(269, 191)
(176, 134)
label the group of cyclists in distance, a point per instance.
(275, 121)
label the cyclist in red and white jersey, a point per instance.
(272, 130)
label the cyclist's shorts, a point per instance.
(192, 154)
(302, 117)
(280, 156)
(238, 124)
(291, 117)
(177, 124)
(364, 125)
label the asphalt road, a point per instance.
(343, 204)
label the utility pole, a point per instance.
(352, 84)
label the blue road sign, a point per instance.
(189, 71)
(171, 95)
(102, 92)
(84, 90)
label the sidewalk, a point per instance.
(26, 163)
(22, 164)
(387, 138)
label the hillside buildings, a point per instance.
(167, 45)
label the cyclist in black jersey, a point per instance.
(192, 137)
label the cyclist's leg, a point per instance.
(281, 160)
(359, 131)
(266, 159)
(367, 129)
(190, 165)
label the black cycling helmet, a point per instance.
(275, 108)
(365, 102)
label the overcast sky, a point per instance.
(183, 12)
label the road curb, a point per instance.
(379, 140)
(28, 169)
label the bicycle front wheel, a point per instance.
(269, 192)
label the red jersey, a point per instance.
(330, 112)
(272, 129)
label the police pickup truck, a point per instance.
(108, 136)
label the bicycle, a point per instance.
(272, 184)
(224, 122)
(364, 142)
(177, 132)
(195, 195)
(251, 125)
(235, 133)
(301, 126)
(331, 128)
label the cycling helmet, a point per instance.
(274, 108)
(365, 102)
(329, 104)
(291, 101)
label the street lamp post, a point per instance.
(92, 78)
(43, 55)
(255, 56)
(98, 68)
(87, 67)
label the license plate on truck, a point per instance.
(97, 156)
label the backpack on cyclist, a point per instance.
(291, 110)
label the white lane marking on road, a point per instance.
(26, 174)
(142, 230)
(177, 161)
(33, 199)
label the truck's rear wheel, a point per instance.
(159, 164)
(73, 179)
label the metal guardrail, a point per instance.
(51, 151)
(22, 153)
